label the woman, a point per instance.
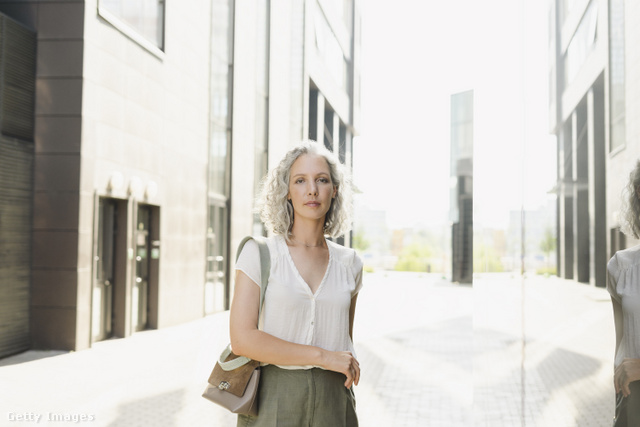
(624, 287)
(305, 337)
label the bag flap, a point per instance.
(234, 381)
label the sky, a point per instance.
(416, 54)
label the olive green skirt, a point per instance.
(302, 398)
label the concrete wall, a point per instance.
(106, 105)
(145, 116)
(55, 315)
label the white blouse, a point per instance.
(624, 286)
(295, 314)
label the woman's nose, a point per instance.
(313, 188)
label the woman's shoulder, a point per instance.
(347, 256)
(625, 258)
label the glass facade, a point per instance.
(617, 75)
(216, 295)
(262, 102)
(296, 83)
(328, 48)
(581, 43)
(145, 17)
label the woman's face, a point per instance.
(310, 187)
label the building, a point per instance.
(462, 187)
(592, 103)
(152, 124)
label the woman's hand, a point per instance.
(628, 371)
(343, 362)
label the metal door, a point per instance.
(140, 296)
(102, 310)
(216, 295)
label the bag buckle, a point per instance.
(224, 385)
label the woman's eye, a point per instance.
(299, 181)
(323, 180)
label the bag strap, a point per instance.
(265, 268)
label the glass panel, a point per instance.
(96, 314)
(581, 43)
(215, 286)
(101, 322)
(617, 74)
(220, 46)
(218, 160)
(262, 102)
(296, 81)
(219, 97)
(146, 17)
(141, 285)
(219, 91)
(215, 289)
(328, 48)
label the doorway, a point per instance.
(144, 290)
(140, 290)
(104, 271)
(216, 296)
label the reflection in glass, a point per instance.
(616, 74)
(146, 17)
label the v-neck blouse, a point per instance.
(295, 314)
(624, 286)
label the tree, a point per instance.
(414, 257)
(548, 242)
(360, 243)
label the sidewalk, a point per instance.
(432, 354)
(561, 373)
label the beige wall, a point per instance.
(54, 293)
(108, 106)
(146, 116)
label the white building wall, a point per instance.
(243, 124)
(145, 116)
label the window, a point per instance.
(141, 20)
(329, 49)
(581, 43)
(216, 292)
(262, 102)
(617, 75)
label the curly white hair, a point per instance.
(630, 209)
(277, 213)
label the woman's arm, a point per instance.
(617, 321)
(352, 314)
(247, 340)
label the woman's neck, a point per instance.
(309, 236)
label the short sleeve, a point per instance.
(613, 277)
(356, 268)
(249, 261)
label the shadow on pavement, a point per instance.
(562, 386)
(574, 375)
(160, 411)
(30, 356)
(421, 374)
